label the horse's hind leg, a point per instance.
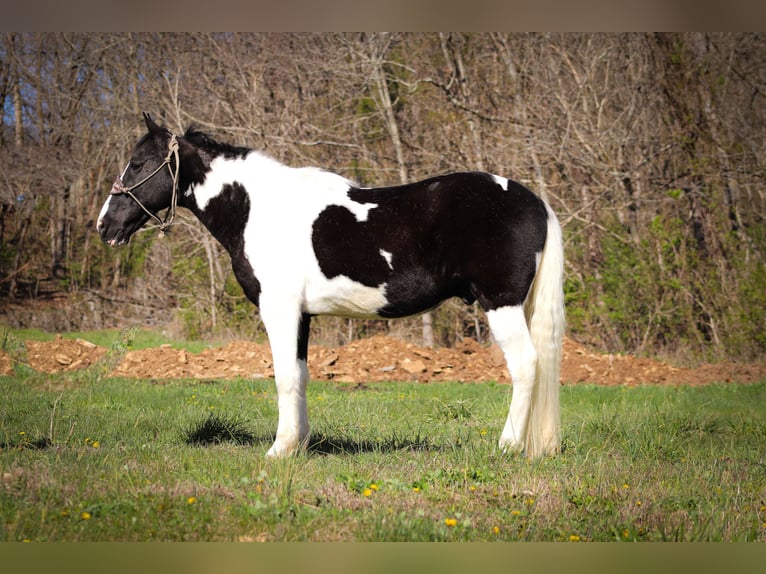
(510, 330)
(288, 337)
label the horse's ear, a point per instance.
(152, 126)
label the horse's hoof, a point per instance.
(279, 450)
(510, 446)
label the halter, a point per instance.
(119, 188)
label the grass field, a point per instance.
(86, 457)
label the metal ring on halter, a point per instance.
(119, 188)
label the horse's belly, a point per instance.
(343, 296)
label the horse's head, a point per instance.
(148, 185)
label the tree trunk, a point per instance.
(209, 253)
(387, 106)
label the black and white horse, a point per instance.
(304, 242)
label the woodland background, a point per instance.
(650, 147)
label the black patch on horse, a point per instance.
(336, 230)
(225, 216)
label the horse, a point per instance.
(305, 242)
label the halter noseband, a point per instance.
(119, 188)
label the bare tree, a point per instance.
(649, 146)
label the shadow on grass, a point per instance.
(29, 444)
(217, 429)
(323, 444)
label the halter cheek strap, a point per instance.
(120, 188)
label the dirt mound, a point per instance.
(380, 358)
(386, 359)
(62, 354)
(369, 360)
(581, 365)
(237, 359)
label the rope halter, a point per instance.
(119, 188)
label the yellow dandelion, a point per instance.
(483, 432)
(574, 538)
(450, 522)
(95, 444)
(373, 486)
(495, 530)
(472, 488)
(86, 516)
(515, 512)
(367, 492)
(64, 513)
(638, 503)
(415, 489)
(625, 486)
(191, 500)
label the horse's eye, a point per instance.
(136, 164)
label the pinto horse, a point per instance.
(305, 242)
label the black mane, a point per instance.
(213, 147)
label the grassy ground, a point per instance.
(87, 457)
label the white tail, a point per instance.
(544, 311)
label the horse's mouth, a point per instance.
(115, 238)
(116, 241)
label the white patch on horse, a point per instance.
(360, 210)
(104, 209)
(501, 181)
(343, 296)
(387, 256)
(224, 171)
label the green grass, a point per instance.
(87, 457)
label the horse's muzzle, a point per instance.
(113, 241)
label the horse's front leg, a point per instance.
(288, 336)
